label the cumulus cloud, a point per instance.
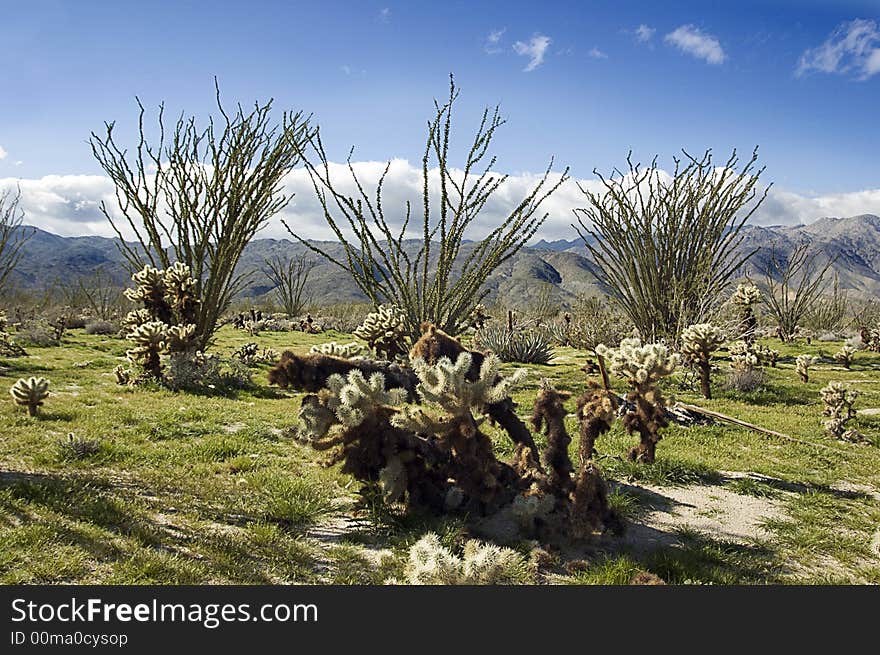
(852, 48)
(70, 204)
(534, 49)
(493, 42)
(697, 43)
(644, 33)
(595, 53)
(3, 153)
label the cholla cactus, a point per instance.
(345, 351)
(180, 292)
(347, 401)
(871, 338)
(478, 317)
(839, 400)
(596, 411)
(150, 291)
(430, 563)
(8, 347)
(150, 341)
(765, 354)
(642, 366)
(385, 331)
(698, 343)
(359, 397)
(802, 366)
(181, 338)
(446, 385)
(845, 356)
(745, 296)
(743, 356)
(30, 392)
(134, 319)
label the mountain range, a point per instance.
(557, 271)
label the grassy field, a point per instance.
(184, 488)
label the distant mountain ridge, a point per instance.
(561, 269)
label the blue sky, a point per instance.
(793, 77)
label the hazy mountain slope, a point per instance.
(561, 269)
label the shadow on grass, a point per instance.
(93, 515)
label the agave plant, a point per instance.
(515, 346)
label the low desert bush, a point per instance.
(101, 327)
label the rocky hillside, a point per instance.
(558, 269)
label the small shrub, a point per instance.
(37, 334)
(74, 447)
(745, 379)
(101, 327)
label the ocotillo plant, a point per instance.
(30, 392)
(642, 366)
(444, 279)
(666, 247)
(198, 195)
(698, 343)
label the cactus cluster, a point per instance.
(642, 366)
(845, 356)
(385, 331)
(424, 445)
(698, 342)
(839, 399)
(745, 297)
(743, 356)
(165, 324)
(30, 392)
(430, 563)
(446, 384)
(802, 366)
(345, 351)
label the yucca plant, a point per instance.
(514, 345)
(30, 392)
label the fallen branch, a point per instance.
(750, 426)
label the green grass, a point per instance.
(185, 488)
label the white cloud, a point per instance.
(853, 47)
(493, 41)
(69, 204)
(534, 49)
(693, 41)
(595, 53)
(644, 33)
(385, 14)
(3, 153)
